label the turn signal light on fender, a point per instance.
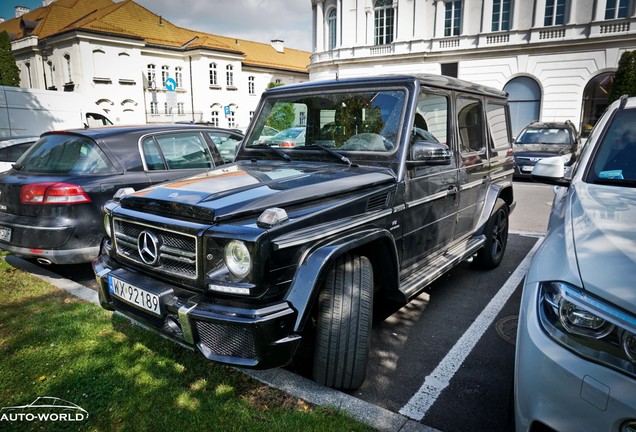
(53, 193)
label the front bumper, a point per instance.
(558, 388)
(258, 338)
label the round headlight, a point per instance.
(237, 258)
(109, 232)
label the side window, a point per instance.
(431, 118)
(184, 150)
(13, 153)
(469, 120)
(497, 125)
(152, 155)
(226, 145)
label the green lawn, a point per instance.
(128, 379)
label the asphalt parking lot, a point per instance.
(445, 361)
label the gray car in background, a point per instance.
(575, 367)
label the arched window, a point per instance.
(595, 100)
(51, 74)
(524, 99)
(69, 75)
(215, 114)
(331, 28)
(384, 22)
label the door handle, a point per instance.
(452, 190)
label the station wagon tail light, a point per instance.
(53, 193)
(590, 327)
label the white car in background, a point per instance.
(12, 148)
(575, 367)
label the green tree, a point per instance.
(625, 78)
(282, 115)
(9, 72)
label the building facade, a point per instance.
(555, 58)
(141, 68)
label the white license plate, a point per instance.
(527, 168)
(5, 234)
(134, 295)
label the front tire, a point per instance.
(492, 253)
(343, 334)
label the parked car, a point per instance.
(575, 363)
(539, 140)
(279, 256)
(50, 200)
(12, 148)
(292, 137)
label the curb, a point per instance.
(290, 383)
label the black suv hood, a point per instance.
(249, 187)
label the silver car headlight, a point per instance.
(107, 227)
(593, 329)
(238, 259)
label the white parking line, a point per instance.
(439, 379)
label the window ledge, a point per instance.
(231, 88)
(101, 80)
(127, 82)
(215, 87)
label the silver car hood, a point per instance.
(604, 238)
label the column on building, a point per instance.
(396, 27)
(320, 25)
(369, 26)
(572, 7)
(440, 10)
(339, 20)
(539, 13)
(486, 17)
(314, 28)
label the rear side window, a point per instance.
(498, 127)
(13, 153)
(176, 151)
(470, 125)
(66, 154)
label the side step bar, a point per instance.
(421, 278)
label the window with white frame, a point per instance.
(332, 19)
(165, 74)
(384, 19)
(554, 13)
(27, 65)
(180, 108)
(215, 118)
(615, 9)
(453, 18)
(250, 85)
(500, 15)
(178, 76)
(229, 71)
(150, 74)
(231, 119)
(69, 75)
(213, 76)
(154, 108)
(166, 108)
(51, 73)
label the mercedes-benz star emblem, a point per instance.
(148, 245)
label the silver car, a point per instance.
(575, 366)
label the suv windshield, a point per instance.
(65, 154)
(544, 136)
(615, 158)
(365, 121)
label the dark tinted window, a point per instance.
(178, 150)
(13, 153)
(66, 154)
(497, 125)
(470, 125)
(615, 159)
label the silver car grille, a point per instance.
(177, 252)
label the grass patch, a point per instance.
(52, 344)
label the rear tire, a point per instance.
(343, 334)
(491, 254)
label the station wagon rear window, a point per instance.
(66, 154)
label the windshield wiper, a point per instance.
(280, 153)
(332, 152)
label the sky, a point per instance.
(256, 20)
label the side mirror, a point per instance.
(550, 171)
(429, 153)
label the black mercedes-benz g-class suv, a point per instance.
(398, 179)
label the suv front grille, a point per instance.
(177, 252)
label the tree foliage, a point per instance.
(282, 115)
(9, 72)
(625, 78)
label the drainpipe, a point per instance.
(191, 90)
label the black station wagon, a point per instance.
(284, 251)
(50, 201)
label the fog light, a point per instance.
(628, 342)
(229, 289)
